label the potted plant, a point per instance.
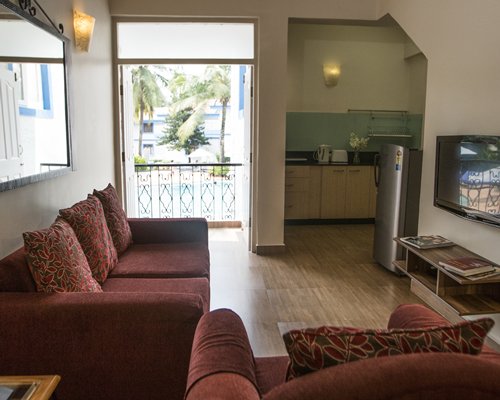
(357, 143)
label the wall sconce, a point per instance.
(84, 29)
(331, 73)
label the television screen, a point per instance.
(467, 178)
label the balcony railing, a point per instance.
(212, 191)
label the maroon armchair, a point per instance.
(222, 367)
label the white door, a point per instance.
(11, 163)
(127, 131)
(247, 155)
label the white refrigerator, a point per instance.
(397, 177)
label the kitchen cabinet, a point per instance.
(330, 192)
(357, 192)
(302, 192)
(333, 192)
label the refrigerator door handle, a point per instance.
(376, 170)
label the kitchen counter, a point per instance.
(306, 158)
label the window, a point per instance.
(186, 40)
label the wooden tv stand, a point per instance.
(449, 294)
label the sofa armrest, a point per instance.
(414, 316)
(222, 363)
(104, 345)
(168, 230)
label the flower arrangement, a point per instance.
(358, 143)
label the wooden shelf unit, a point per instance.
(464, 296)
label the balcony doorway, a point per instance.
(185, 132)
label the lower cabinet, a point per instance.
(329, 192)
(357, 192)
(333, 192)
(302, 192)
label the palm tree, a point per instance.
(147, 95)
(196, 94)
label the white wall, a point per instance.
(417, 77)
(272, 84)
(35, 206)
(461, 40)
(463, 94)
(374, 73)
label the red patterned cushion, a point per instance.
(88, 221)
(314, 349)
(56, 260)
(115, 217)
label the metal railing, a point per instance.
(211, 191)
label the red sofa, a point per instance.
(131, 342)
(222, 367)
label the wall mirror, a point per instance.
(34, 114)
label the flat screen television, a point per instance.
(467, 181)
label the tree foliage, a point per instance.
(197, 94)
(172, 139)
(147, 95)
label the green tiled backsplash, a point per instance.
(307, 130)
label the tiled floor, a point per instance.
(326, 276)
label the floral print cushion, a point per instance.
(115, 217)
(57, 261)
(313, 349)
(89, 224)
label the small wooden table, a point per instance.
(46, 384)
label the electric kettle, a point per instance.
(322, 155)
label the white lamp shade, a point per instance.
(84, 29)
(331, 74)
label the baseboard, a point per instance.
(224, 224)
(342, 221)
(268, 250)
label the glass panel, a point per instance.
(34, 129)
(26, 40)
(185, 40)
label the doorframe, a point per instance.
(254, 62)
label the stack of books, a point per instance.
(427, 242)
(470, 267)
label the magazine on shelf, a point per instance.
(427, 241)
(466, 266)
(484, 275)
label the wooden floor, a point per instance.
(326, 276)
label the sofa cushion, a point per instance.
(57, 261)
(15, 275)
(430, 376)
(313, 349)
(270, 372)
(164, 260)
(115, 217)
(87, 220)
(199, 286)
